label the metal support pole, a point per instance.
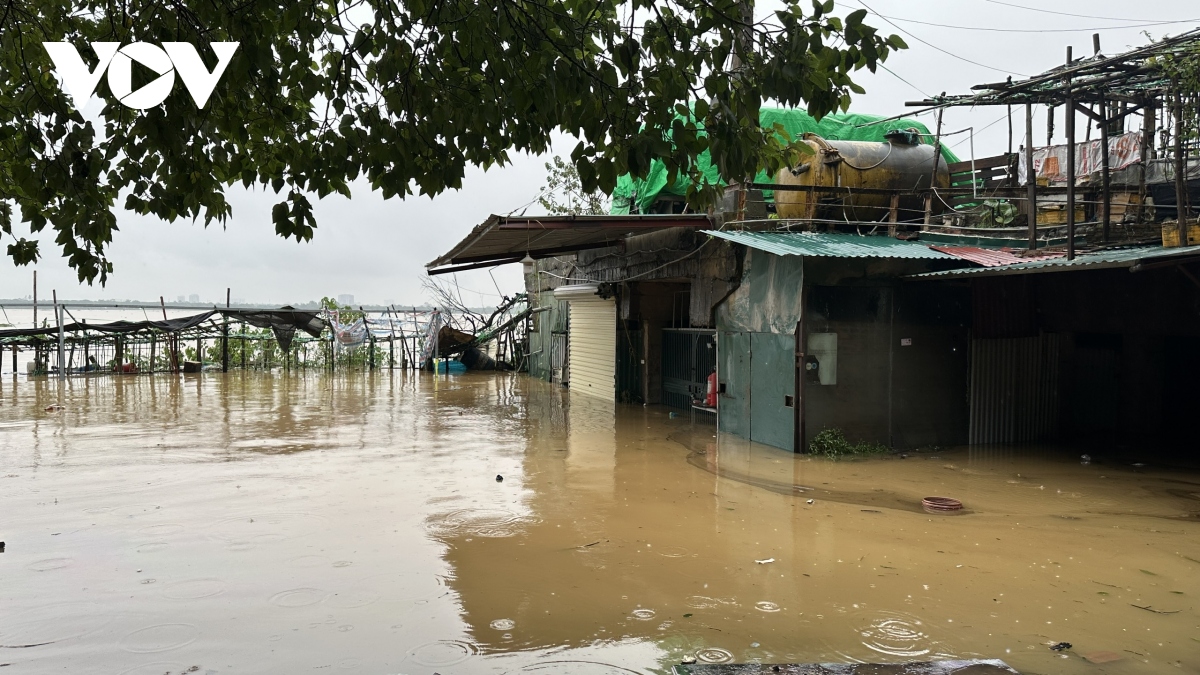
(1148, 115)
(799, 431)
(225, 338)
(172, 341)
(1105, 178)
(392, 342)
(1030, 177)
(370, 340)
(1180, 183)
(1070, 123)
(62, 360)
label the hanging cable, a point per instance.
(1035, 30)
(933, 46)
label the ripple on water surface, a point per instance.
(51, 623)
(896, 634)
(48, 564)
(443, 653)
(479, 523)
(298, 597)
(713, 655)
(576, 667)
(162, 637)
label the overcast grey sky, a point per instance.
(376, 249)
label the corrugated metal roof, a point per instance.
(990, 257)
(831, 245)
(501, 239)
(1126, 257)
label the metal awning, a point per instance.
(1149, 257)
(505, 239)
(831, 245)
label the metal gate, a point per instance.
(629, 366)
(558, 358)
(688, 357)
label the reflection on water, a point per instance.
(281, 523)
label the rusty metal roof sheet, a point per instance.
(503, 239)
(990, 257)
(1115, 258)
(831, 245)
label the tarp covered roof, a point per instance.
(1116, 258)
(641, 193)
(504, 239)
(832, 245)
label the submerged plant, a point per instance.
(832, 444)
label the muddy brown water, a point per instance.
(271, 523)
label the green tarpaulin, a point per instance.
(846, 127)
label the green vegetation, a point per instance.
(401, 95)
(832, 444)
(564, 195)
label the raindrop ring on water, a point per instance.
(713, 655)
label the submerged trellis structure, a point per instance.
(228, 338)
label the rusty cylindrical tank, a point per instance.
(892, 165)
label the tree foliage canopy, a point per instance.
(406, 93)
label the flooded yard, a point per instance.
(394, 523)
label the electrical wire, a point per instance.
(897, 76)
(1050, 11)
(1035, 30)
(988, 126)
(933, 46)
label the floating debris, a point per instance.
(765, 561)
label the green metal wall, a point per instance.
(758, 372)
(756, 347)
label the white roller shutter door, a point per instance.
(593, 347)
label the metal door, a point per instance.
(773, 376)
(733, 375)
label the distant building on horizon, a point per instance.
(193, 298)
(345, 299)
(182, 299)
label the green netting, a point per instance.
(796, 122)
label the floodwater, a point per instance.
(253, 523)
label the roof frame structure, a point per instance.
(1130, 77)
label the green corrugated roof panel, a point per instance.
(1125, 257)
(831, 245)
